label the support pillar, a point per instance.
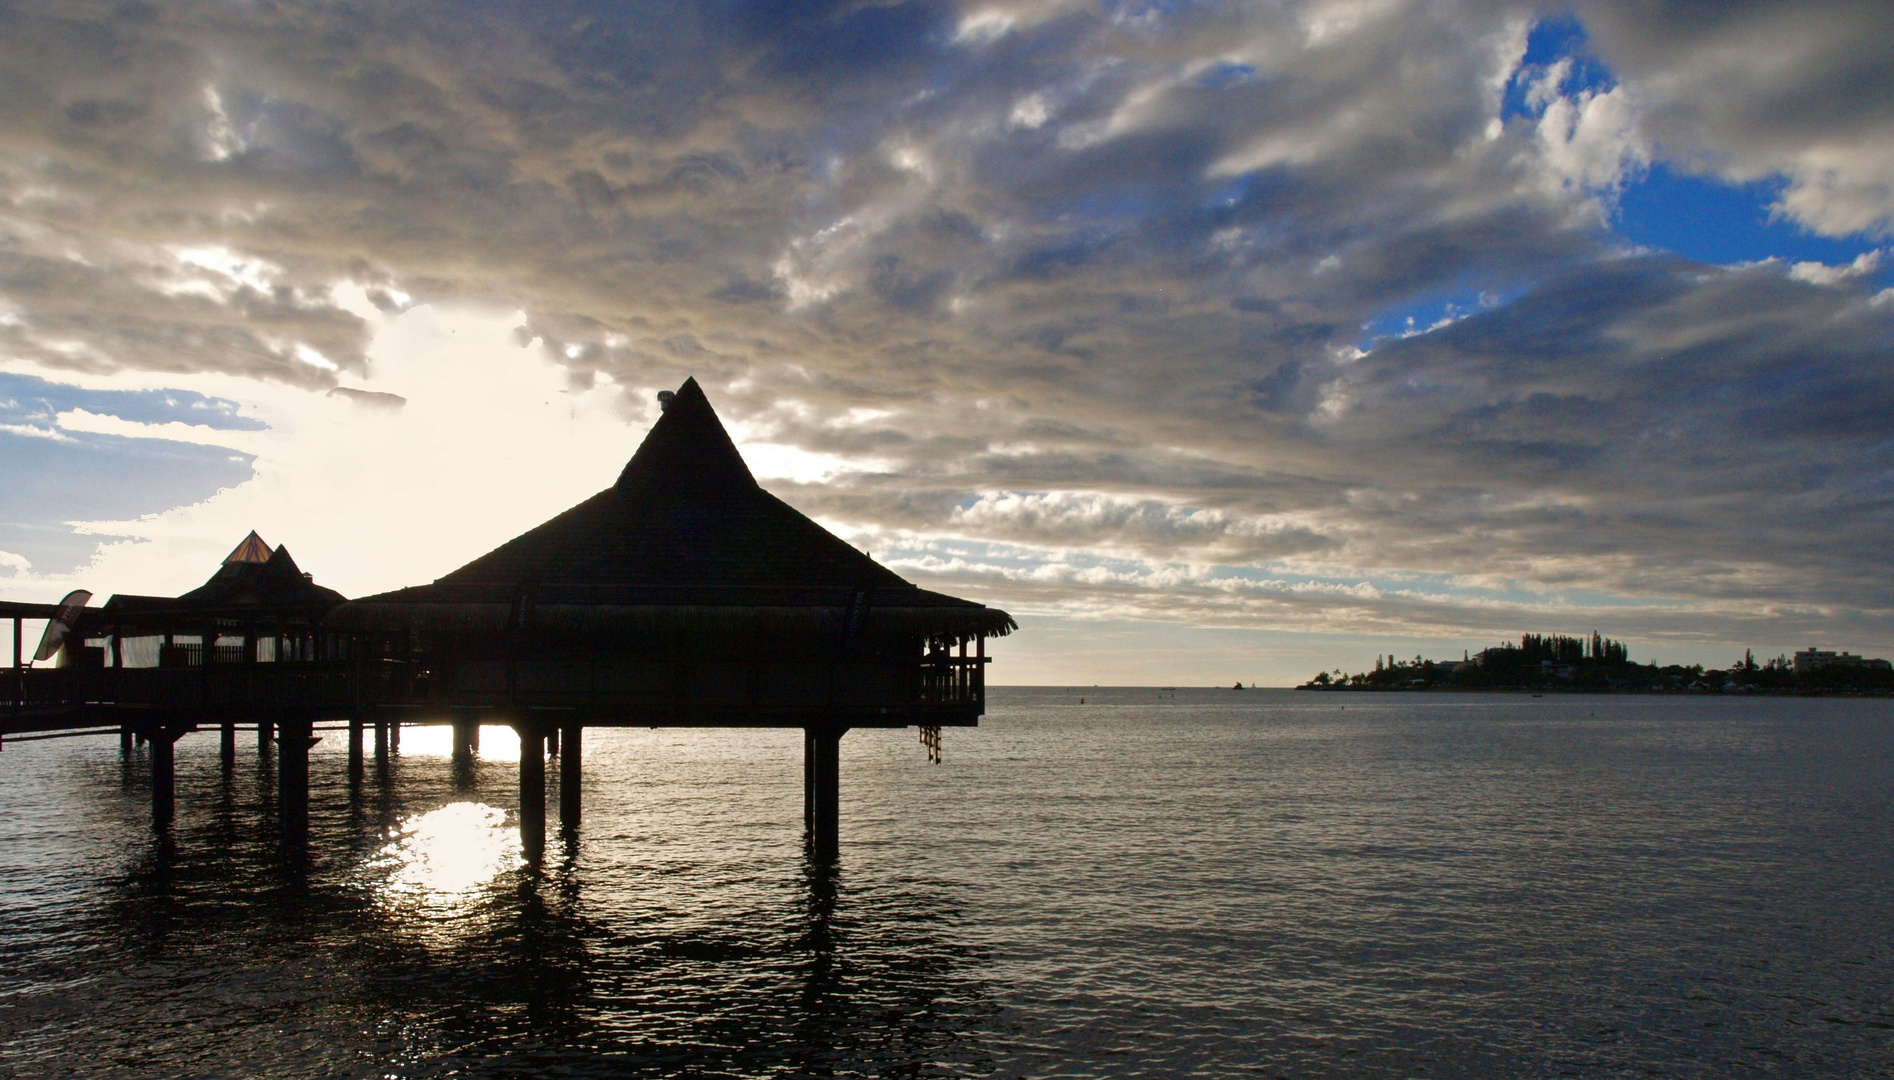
(124, 741)
(466, 740)
(394, 735)
(164, 791)
(264, 731)
(355, 749)
(381, 745)
(569, 778)
(532, 791)
(292, 778)
(808, 785)
(227, 744)
(823, 769)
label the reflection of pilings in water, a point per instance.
(163, 777)
(292, 779)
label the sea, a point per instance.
(1095, 882)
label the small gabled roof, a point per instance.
(243, 585)
(685, 526)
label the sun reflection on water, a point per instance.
(440, 857)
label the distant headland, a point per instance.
(1599, 665)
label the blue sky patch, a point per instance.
(24, 399)
(1550, 42)
(60, 476)
(1720, 223)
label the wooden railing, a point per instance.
(263, 686)
(938, 682)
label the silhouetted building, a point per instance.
(1813, 659)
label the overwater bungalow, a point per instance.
(682, 595)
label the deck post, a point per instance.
(825, 831)
(381, 745)
(227, 744)
(569, 768)
(264, 731)
(808, 785)
(292, 777)
(532, 790)
(355, 748)
(124, 740)
(164, 791)
(466, 739)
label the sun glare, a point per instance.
(441, 856)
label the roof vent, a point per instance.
(664, 399)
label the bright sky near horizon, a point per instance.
(1215, 342)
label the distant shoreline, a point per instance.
(1604, 691)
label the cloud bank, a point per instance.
(1291, 315)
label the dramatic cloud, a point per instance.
(1294, 315)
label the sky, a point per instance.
(1216, 342)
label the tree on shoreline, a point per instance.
(1599, 664)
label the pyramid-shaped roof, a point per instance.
(685, 525)
(253, 549)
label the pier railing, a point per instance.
(938, 687)
(210, 686)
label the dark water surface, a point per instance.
(1216, 883)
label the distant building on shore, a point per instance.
(1814, 659)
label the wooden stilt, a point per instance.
(825, 833)
(265, 730)
(355, 749)
(808, 785)
(532, 791)
(394, 735)
(124, 741)
(227, 744)
(381, 745)
(466, 740)
(569, 778)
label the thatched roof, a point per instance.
(253, 581)
(687, 541)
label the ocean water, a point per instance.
(1149, 883)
